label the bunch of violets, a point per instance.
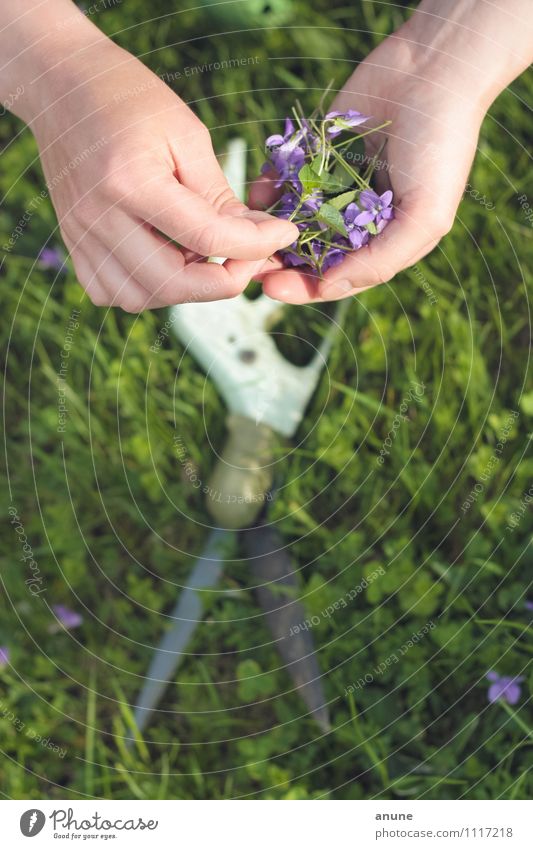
(325, 187)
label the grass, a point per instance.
(110, 514)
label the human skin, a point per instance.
(130, 168)
(434, 80)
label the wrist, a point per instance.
(41, 48)
(475, 49)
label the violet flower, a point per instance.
(333, 257)
(504, 687)
(4, 656)
(67, 618)
(287, 160)
(358, 236)
(52, 258)
(288, 203)
(342, 121)
(288, 152)
(313, 198)
(376, 208)
(291, 259)
(277, 139)
(529, 605)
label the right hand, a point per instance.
(132, 170)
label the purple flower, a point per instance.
(528, 605)
(287, 160)
(289, 201)
(344, 121)
(312, 253)
(52, 258)
(287, 152)
(4, 656)
(504, 687)
(68, 618)
(358, 236)
(292, 259)
(333, 257)
(313, 202)
(287, 204)
(277, 140)
(376, 208)
(320, 245)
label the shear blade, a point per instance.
(188, 615)
(272, 570)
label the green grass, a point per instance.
(110, 514)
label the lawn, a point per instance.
(413, 461)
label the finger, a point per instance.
(337, 291)
(161, 268)
(414, 231)
(204, 176)
(123, 290)
(88, 279)
(292, 286)
(295, 287)
(199, 170)
(411, 234)
(263, 192)
(192, 221)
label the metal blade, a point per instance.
(272, 569)
(188, 614)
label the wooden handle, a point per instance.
(242, 478)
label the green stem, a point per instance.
(519, 721)
(372, 165)
(323, 140)
(362, 135)
(353, 174)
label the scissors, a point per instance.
(266, 397)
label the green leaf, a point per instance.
(342, 178)
(332, 217)
(309, 179)
(371, 227)
(354, 152)
(341, 201)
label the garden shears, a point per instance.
(266, 397)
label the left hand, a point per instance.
(431, 140)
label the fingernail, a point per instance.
(288, 231)
(337, 289)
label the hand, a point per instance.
(431, 81)
(130, 170)
(431, 141)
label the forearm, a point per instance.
(35, 39)
(481, 44)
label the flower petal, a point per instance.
(289, 127)
(364, 218)
(368, 198)
(512, 693)
(275, 140)
(495, 692)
